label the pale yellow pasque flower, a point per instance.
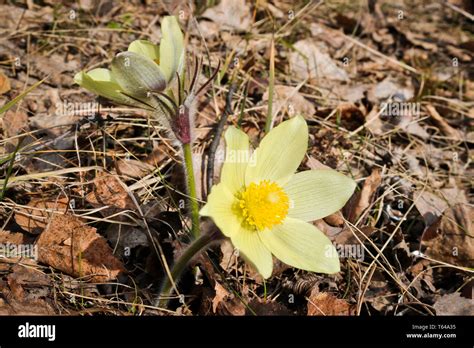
(143, 68)
(264, 207)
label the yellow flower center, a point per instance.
(263, 205)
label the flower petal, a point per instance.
(302, 245)
(219, 207)
(101, 82)
(280, 152)
(146, 49)
(171, 48)
(137, 75)
(315, 194)
(254, 251)
(237, 156)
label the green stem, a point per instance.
(188, 165)
(180, 265)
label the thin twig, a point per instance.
(459, 10)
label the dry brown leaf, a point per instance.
(343, 236)
(310, 60)
(158, 155)
(429, 205)
(422, 273)
(351, 92)
(230, 14)
(288, 99)
(4, 83)
(26, 291)
(56, 124)
(69, 245)
(329, 230)
(389, 88)
(209, 30)
(10, 14)
(11, 237)
(313, 163)
(330, 36)
(39, 212)
(221, 294)
(362, 199)
(133, 168)
(276, 12)
(335, 219)
(374, 122)
(393, 114)
(225, 303)
(450, 238)
(55, 66)
(411, 126)
(454, 304)
(25, 252)
(229, 256)
(324, 303)
(109, 191)
(454, 195)
(15, 122)
(140, 168)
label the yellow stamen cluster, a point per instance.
(263, 205)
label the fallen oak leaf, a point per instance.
(35, 216)
(109, 191)
(324, 304)
(72, 247)
(11, 237)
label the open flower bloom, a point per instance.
(264, 207)
(144, 68)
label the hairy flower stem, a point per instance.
(188, 165)
(197, 246)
